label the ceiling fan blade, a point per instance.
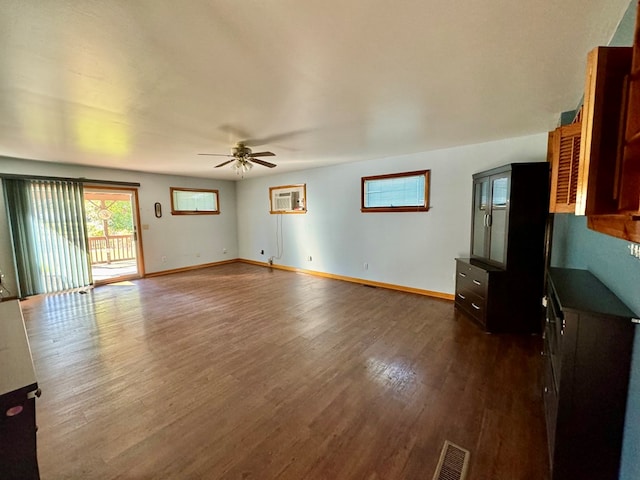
(270, 139)
(234, 131)
(262, 154)
(224, 163)
(263, 163)
(216, 154)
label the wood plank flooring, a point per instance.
(242, 372)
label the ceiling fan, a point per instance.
(242, 158)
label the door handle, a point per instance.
(489, 221)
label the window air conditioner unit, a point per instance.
(286, 201)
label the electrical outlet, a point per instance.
(261, 252)
(309, 258)
(366, 266)
(634, 250)
(224, 250)
(164, 259)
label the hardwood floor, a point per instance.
(244, 372)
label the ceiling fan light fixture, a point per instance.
(242, 159)
(241, 166)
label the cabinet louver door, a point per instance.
(565, 162)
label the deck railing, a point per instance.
(111, 249)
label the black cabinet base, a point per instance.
(18, 456)
(587, 359)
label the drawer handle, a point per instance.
(461, 296)
(477, 282)
(462, 274)
(475, 306)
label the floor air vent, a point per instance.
(453, 464)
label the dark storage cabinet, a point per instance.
(509, 215)
(18, 389)
(588, 340)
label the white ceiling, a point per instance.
(147, 84)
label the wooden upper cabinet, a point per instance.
(630, 170)
(602, 130)
(564, 156)
(608, 189)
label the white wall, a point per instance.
(184, 240)
(414, 250)
(408, 249)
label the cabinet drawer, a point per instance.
(473, 279)
(471, 303)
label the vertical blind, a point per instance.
(49, 234)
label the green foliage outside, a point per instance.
(120, 222)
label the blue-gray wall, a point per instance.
(608, 258)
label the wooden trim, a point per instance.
(287, 212)
(361, 281)
(414, 208)
(140, 252)
(189, 268)
(370, 283)
(622, 226)
(6, 299)
(393, 209)
(194, 212)
(70, 179)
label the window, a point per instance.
(194, 201)
(396, 192)
(288, 199)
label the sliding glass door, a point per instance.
(112, 228)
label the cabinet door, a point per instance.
(630, 175)
(481, 207)
(564, 156)
(597, 192)
(499, 217)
